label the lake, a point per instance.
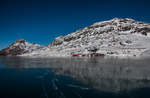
(24, 77)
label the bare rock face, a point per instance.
(58, 41)
(19, 47)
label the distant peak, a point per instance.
(21, 40)
(116, 18)
(125, 19)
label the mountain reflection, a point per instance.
(106, 74)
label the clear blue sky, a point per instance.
(40, 21)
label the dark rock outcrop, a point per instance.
(13, 49)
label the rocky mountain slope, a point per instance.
(20, 47)
(113, 37)
(116, 37)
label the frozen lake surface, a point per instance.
(22, 77)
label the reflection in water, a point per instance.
(42, 83)
(105, 74)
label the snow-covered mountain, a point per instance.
(20, 47)
(116, 37)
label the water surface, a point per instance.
(23, 77)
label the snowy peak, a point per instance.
(23, 44)
(116, 36)
(126, 24)
(19, 47)
(19, 43)
(115, 26)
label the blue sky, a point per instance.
(40, 21)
